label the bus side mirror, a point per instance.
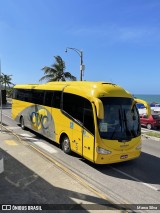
(146, 104)
(99, 107)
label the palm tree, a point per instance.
(6, 80)
(57, 71)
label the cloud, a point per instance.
(116, 34)
(134, 34)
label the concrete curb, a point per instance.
(151, 137)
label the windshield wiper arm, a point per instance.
(120, 121)
(125, 121)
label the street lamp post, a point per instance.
(80, 53)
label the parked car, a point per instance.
(151, 122)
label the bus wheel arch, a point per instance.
(22, 124)
(65, 143)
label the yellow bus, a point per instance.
(97, 120)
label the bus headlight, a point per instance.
(139, 147)
(103, 151)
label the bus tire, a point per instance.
(22, 123)
(66, 145)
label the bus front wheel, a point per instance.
(22, 123)
(66, 145)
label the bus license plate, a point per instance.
(124, 156)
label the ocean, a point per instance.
(149, 98)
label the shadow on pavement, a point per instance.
(20, 185)
(146, 168)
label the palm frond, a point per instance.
(6, 80)
(57, 71)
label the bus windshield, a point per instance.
(121, 119)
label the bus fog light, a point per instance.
(139, 147)
(103, 151)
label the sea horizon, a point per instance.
(148, 97)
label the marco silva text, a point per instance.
(147, 207)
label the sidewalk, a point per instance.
(30, 178)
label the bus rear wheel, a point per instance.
(66, 145)
(22, 122)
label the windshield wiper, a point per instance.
(115, 130)
(127, 129)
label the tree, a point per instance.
(6, 80)
(57, 72)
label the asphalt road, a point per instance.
(132, 182)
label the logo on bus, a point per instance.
(40, 119)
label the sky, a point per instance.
(120, 40)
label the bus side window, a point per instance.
(73, 105)
(79, 108)
(38, 96)
(48, 98)
(22, 95)
(15, 91)
(27, 95)
(88, 120)
(56, 99)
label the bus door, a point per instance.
(83, 139)
(88, 135)
(76, 136)
(82, 124)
